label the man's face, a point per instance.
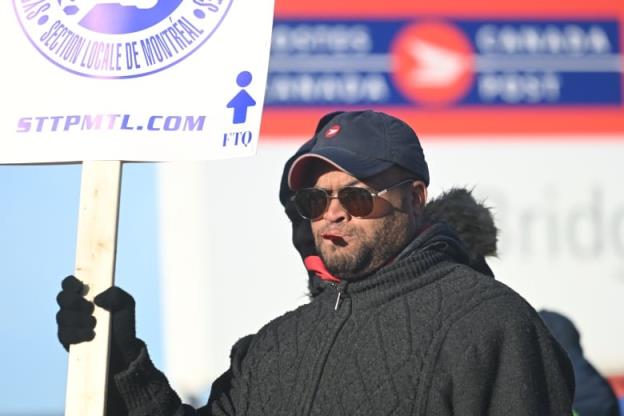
(353, 247)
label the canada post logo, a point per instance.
(424, 62)
(433, 62)
(119, 38)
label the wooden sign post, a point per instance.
(106, 82)
(95, 267)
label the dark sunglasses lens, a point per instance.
(310, 202)
(357, 201)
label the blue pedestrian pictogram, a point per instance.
(242, 100)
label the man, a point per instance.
(594, 396)
(402, 322)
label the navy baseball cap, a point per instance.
(362, 144)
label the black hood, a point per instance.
(471, 220)
(564, 330)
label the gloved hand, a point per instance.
(125, 346)
(76, 322)
(74, 319)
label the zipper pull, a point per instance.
(340, 288)
(338, 299)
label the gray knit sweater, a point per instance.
(426, 335)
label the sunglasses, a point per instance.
(311, 203)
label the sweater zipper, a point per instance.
(337, 299)
(340, 296)
(340, 288)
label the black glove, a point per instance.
(76, 323)
(75, 317)
(125, 346)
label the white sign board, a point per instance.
(149, 80)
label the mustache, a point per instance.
(333, 229)
(340, 231)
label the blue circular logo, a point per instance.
(119, 38)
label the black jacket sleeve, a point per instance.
(222, 394)
(146, 391)
(500, 360)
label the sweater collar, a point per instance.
(433, 247)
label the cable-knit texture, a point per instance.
(146, 391)
(425, 335)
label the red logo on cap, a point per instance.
(332, 131)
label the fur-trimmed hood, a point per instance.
(472, 220)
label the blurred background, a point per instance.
(522, 102)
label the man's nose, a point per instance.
(335, 212)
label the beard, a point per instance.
(365, 253)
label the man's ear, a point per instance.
(419, 191)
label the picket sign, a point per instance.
(107, 82)
(95, 267)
